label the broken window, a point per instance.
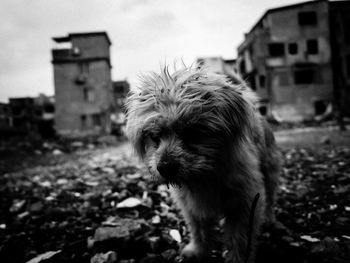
(308, 18)
(320, 107)
(304, 76)
(96, 119)
(251, 81)
(262, 80)
(88, 94)
(263, 110)
(83, 73)
(312, 46)
(276, 49)
(293, 48)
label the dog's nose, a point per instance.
(167, 169)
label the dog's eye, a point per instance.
(149, 137)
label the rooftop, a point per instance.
(87, 34)
(277, 9)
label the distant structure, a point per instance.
(83, 84)
(27, 116)
(120, 91)
(6, 122)
(297, 58)
(218, 64)
(340, 43)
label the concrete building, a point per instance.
(27, 116)
(340, 42)
(6, 123)
(287, 58)
(218, 64)
(83, 84)
(118, 118)
(120, 92)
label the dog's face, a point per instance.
(184, 126)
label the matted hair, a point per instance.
(188, 92)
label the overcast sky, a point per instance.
(144, 33)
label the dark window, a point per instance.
(320, 107)
(84, 68)
(293, 48)
(96, 118)
(276, 49)
(85, 93)
(251, 81)
(49, 108)
(304, 76)
(16, 111)
(88, 94)
(312, 46)
(262, 80)
(242, 67)
(83, 121)
(307, 18)
(263, 110)
(251, 50)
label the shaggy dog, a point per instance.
(200, 133)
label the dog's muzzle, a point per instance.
(168, 170)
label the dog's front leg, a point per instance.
(241, 235)
(201, 237)
(236, 239)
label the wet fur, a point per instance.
(224, 153)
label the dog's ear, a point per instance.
(236, 106)
(134, 134)
(134, 123)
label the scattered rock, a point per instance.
(175, 234)
(326, 140)
(130, 202)
(17, 206)
(109, 257)
(309, 238)
(57, 152)
(44, 256)
(36, 207)
(104, 233)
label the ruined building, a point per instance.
(217, 64)
(27, 116)
(289, 58)
(83, 84)
(118, 118)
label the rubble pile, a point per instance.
(102, 206)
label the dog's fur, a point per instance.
(200, 133)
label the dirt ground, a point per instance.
(88, 203)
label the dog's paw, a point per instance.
(191, 253)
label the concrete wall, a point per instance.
(284, 95)
(83, 85)
(340, 25)
(94, 46)
(71, 103)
